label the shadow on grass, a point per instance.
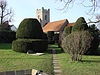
(5, 46)
(96, 61)
(58, 51)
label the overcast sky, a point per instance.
(27, 9)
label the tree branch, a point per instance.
(94, 22)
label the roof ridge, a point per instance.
(59, 20)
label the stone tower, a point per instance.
(43, 16)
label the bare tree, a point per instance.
(98, 16)
(93, 4)
(98, 19)
(76, 44)
(5, 14)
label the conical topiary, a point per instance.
(80, 25)
(29, 28)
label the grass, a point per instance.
(5, 46)
(11, 60)
(89, 66)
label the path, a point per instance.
(57, 70)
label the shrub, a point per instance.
(76, 44)
(29, 28)
(80, 25)
(35, 45)
(7, 36)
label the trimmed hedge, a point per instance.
(35, 45)
(29, 28)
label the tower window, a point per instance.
(45, 17)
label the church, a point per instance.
(43, 16)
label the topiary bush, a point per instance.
(30, 36)
(34, 45)
(29, 28)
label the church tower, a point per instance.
(43, 16)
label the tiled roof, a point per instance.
(55, 26)
(70, 24)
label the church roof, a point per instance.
(55, 26)
(70, 24)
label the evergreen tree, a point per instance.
(80, 25)
(96, 41)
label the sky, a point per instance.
(27, 9)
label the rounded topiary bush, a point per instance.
(29, 28)
(34, 45)
(30, 37)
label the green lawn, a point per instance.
(10, 60)
(89, 66)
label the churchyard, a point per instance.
(74, 55)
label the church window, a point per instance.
(45, 17)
